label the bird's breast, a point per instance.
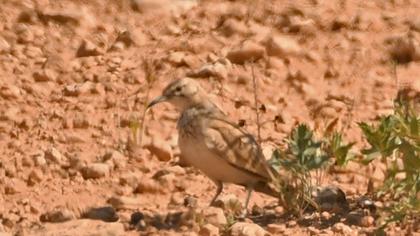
(191, 123)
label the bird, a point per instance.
(210, 141)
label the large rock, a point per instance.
(81, 228)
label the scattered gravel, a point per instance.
(73, 87)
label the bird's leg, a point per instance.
(219, 190)
(249, 190)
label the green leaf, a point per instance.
(414, 127)
(370, 156)
(411, 158)
(339, 150)
(381, 138)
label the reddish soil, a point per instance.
(72, 78)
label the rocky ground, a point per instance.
(75, 76)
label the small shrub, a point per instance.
(303, 155)
(395, 140)
(306, 154)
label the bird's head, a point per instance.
(181, 93)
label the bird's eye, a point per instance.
(178, 89)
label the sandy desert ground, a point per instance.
(73, 88)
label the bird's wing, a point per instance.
(237, 147)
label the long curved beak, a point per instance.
(157, 100)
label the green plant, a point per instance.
(305, 150)
(306, 154)
(233, 207)
(396, 142)
(232, 210)
(303, 154)
(335, 147)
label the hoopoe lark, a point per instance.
(211, 143)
